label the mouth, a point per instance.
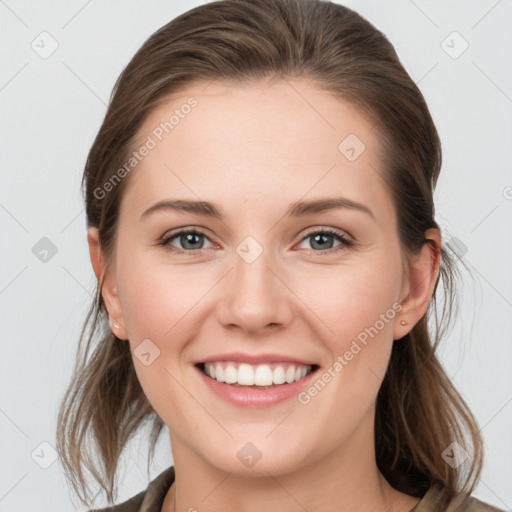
(256, 376)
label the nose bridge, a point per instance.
(254, 297)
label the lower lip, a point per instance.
(254, 397)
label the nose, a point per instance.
(254, 297)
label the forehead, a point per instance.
(285, 138)
(279, 115)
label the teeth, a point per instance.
(256, 375)
(278, 376)
(245, 375)
(263, 376)
(230, 374)
(290, 374)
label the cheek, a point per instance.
(349, 300)
(356, 303)
(158, 305)
(364, 327)
(156, 297)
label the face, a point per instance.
(260, 288)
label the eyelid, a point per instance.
(330, 230)
(183, 229)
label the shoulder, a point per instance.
(464, 503)
(149, 499)
(131, 505)
(438, 499)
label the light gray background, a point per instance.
(51, 111)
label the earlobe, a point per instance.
(107, 284)
(423, 271)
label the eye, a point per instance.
(323, 240)
(190, 240)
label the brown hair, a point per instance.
(419, 413)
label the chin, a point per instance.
(257, 457)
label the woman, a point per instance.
(261, 224)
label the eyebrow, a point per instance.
(298, 209)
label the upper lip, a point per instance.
(240, 357)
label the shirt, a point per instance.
(152, 499)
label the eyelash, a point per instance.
(345, 242)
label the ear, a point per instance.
(419, 284)
(106, 281)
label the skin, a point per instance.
(266, 147)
